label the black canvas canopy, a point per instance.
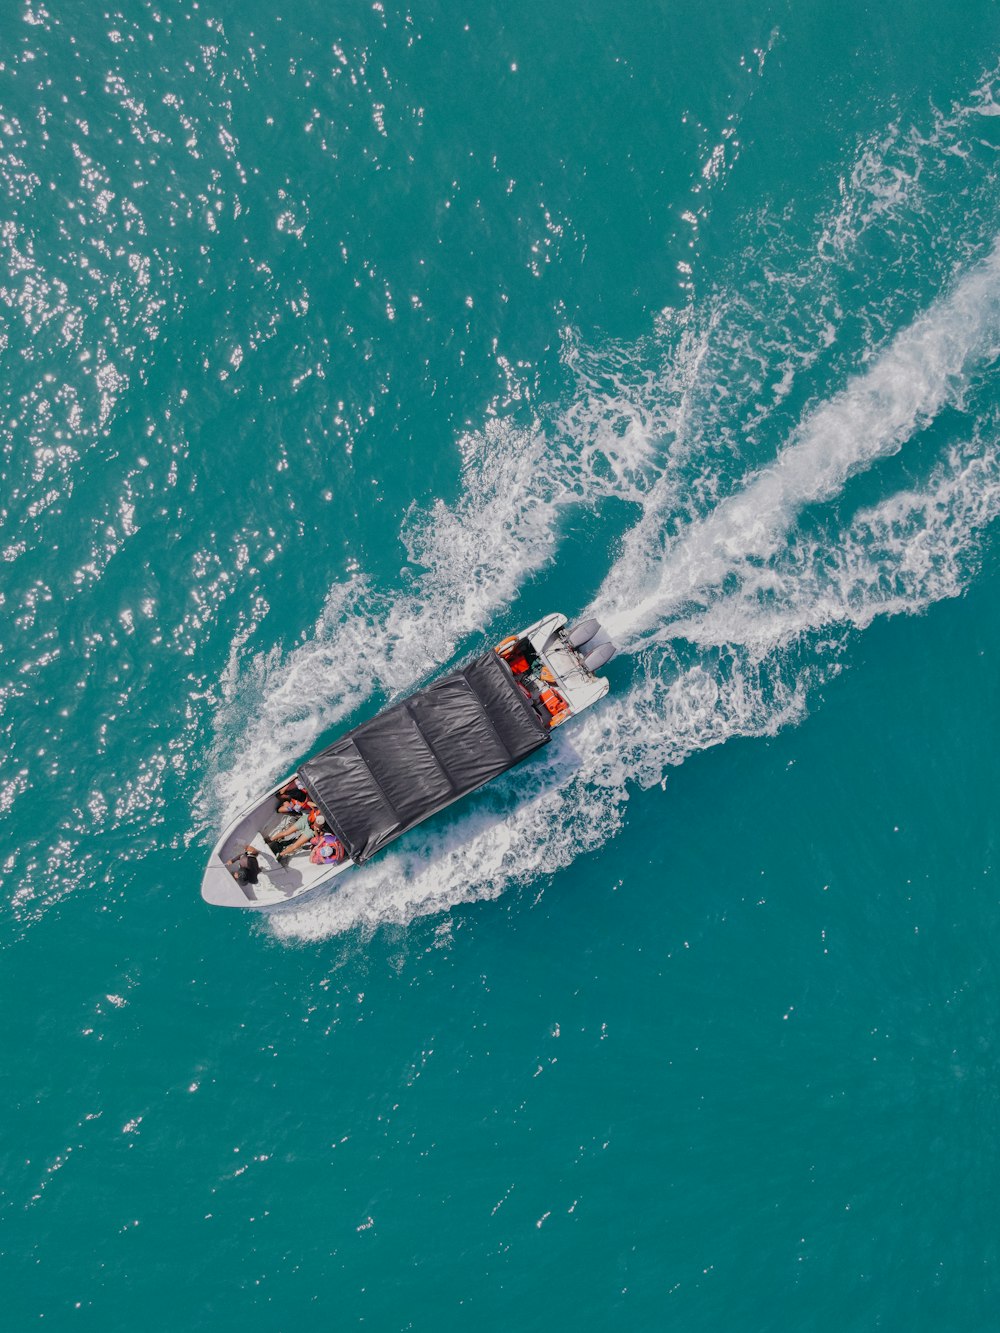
(421, 754)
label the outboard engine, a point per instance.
(592, 644)
(581, 634)
(599, 656)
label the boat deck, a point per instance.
(278, 881)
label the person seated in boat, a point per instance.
(303, 830)
(247, 865)
(327, 850)
(291, 806)
(293, 791)
(291, 824)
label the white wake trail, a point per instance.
(470, 558)
(924, 369)
(752, 655)
(902, 555)
(897, 557)
(764, 603)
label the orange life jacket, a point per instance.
(555, 704)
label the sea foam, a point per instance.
(736, 675)
(729, 606)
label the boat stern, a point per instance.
(573, 658)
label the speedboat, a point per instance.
(414, 758)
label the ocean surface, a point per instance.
(337, 344)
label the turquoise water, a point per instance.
(337, 345)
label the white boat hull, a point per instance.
(281, 882)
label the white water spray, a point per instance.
(923, 370)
